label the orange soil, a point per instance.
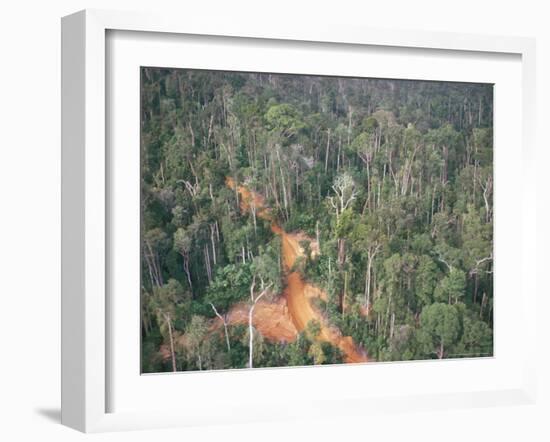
(295, 306)
(271, 319)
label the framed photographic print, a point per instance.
(268, 220)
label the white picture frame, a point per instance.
(85, 201)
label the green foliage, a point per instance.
(439, 329)
(285, 119)
(198, 348)
(182, 240)
(230, 285)
(266, 266)
(303, 221)
(451, 287)
(427, 276)
(477, 338)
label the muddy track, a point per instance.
(298, 293)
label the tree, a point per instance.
(165, 301)
(285, 119)
(427, 276)
(368, 241)
(229, 286)
(155, 243)
(183, 243)
(254, 298)
(365, 146)
(313, 329)
(477, 245)
(196, 339)
(266, 267)
(345, 193)
(451, 287)
(439, 329)
(224, 321)
(316, 353)
(476, 338)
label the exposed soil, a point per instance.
(271, 319)
(280, 321)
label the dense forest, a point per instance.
(297, 220)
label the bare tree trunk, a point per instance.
(212, 236)
(250, 336)
(441, 351)
(327, 151)
(207, 262)
(371, 254)
(344, 297)
(475, 287)
(209, 130)
(224, 326)
(486, 190)
(341, 251)
(172, 352)
(283, 183)
(338, 153)
(483, 303)
(187, 272)
(253, 302)
(150, 269)
(317, 235)
(350, 115)
(253, 211)
(480, 112)
(154, 266)
(367, 288)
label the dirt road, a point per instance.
(298, 293)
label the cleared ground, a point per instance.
(275, 320)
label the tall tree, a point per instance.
(439, 328)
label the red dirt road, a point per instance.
(297, 295)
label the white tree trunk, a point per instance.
(172, 351)
(253, 303)
(224, 326)
(251, 337)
